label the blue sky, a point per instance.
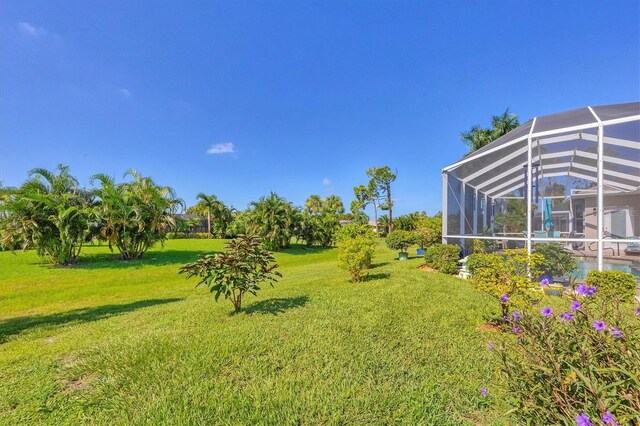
(293, 97)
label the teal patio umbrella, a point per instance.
(548, 210)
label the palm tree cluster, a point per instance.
(52, 214)
(133, 216)
(275, 220)
(321, 220)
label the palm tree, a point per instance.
(49, 212)
(134, 215)
(314, 204)
(333, 204)
(273, 219)
(477, 137)
(208, 201)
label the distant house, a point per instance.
(185, 217)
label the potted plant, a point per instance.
(400, 240)
(424, 236)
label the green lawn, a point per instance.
(108, 342)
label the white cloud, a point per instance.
(31, 30)
(326, 181)
(222, 148)
(125, 93)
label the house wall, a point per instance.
(613, 202)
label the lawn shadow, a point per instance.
(17, 325)
(276, 306)
(378, 276)
(153, 258)
(298, 249)
(379, 265)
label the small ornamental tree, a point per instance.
(355, 255)
(237, 271)
(577, 362)
(356, 245)
(400, 240)
(506, 277)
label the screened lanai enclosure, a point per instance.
(571, 178)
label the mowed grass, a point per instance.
(110, 342)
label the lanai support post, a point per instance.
(445, 206)
(600, 197)
(529, 190)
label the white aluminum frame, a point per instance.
(494, 188)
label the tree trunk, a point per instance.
(390, 208)
(375, 215)
(209, 222)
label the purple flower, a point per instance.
(638, 311)
(505, 318)
(608, 419)
(517, 330)
(484, 392)
(616, 333)
(583, 420)
(504, 298)
(575, 305)
(544, 282)
(547, 311)
(583, 290)
(490, 346)
(599, 325)
(566, 316)
(516, 316)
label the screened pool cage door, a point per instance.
(571, 178)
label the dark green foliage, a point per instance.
(477, 137)
(219, 216)
(565, 364)
(400, 240)
(238, 270)
(613, 286)
(274, 220)
(318, 230)
(443, 257)
(557, 260)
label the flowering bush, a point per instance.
(505, 276)
(575, 365)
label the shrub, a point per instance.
(612, 286)
(400, 240)
(478, 246)
(557, 260)
(235, 272)
(353, 230)
(505, 277)
(583, 360)
(443, 257)
(355, 255)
